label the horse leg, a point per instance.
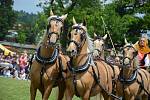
(145, 97)
(68, 93)
(61, 91)
(47, 92)
(106, 96)
(32, 92)
(101, 96)
(87, 95)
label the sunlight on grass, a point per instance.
(12, 89)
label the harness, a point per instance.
(49, 60)
(133, 77)
(46, 61)
(142, 84)
(131, 80)
(84, 68)
(78, 69)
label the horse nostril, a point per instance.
(73, 50)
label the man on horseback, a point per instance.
(143, 52)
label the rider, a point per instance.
(143, 49)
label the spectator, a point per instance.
(143, 49)
(23, 61)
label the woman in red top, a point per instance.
(23, 61)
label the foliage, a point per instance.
(120, 17)
(27, 19)
(27, 22)
(40, 26)
(21, 37)
(7, 17)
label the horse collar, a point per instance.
(132, 78)
(49, 60)
(82, 68)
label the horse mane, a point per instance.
(90, 43)
(89, 39)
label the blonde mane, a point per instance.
(90, 43)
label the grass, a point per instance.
(12, 89)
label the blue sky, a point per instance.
(27, 5)
(30, 5)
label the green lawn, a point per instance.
(12, 89)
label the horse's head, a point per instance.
(77, 38)
(129, 55)
(98, 45)
(55, 27)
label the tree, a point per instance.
(27, 22)
(7, 17)
(119, 16)
(21, 37)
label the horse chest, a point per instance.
(131, 89)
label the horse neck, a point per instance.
(127, 72)
(46, 51)
(81, 58)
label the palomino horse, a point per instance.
(133, 82)
(86, 77)
(99, 45)
(47, 66)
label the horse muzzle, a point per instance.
(72, 53)
(127, 62)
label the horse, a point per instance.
(133, 82)
(86, 77)
(49, 63)
(99, 43)
(98, 53)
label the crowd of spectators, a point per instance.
(15, 66)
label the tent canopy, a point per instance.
(6, 51)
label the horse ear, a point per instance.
(125, 40)
(64, 17)
(84, 23)
(95, 35)
(74, 21)
(105, 37)
(51, 13)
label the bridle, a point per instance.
(57, 19)
(83, 38)
(130, 59)
(99, 39)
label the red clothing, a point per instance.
(23, 61)
(141, 58)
